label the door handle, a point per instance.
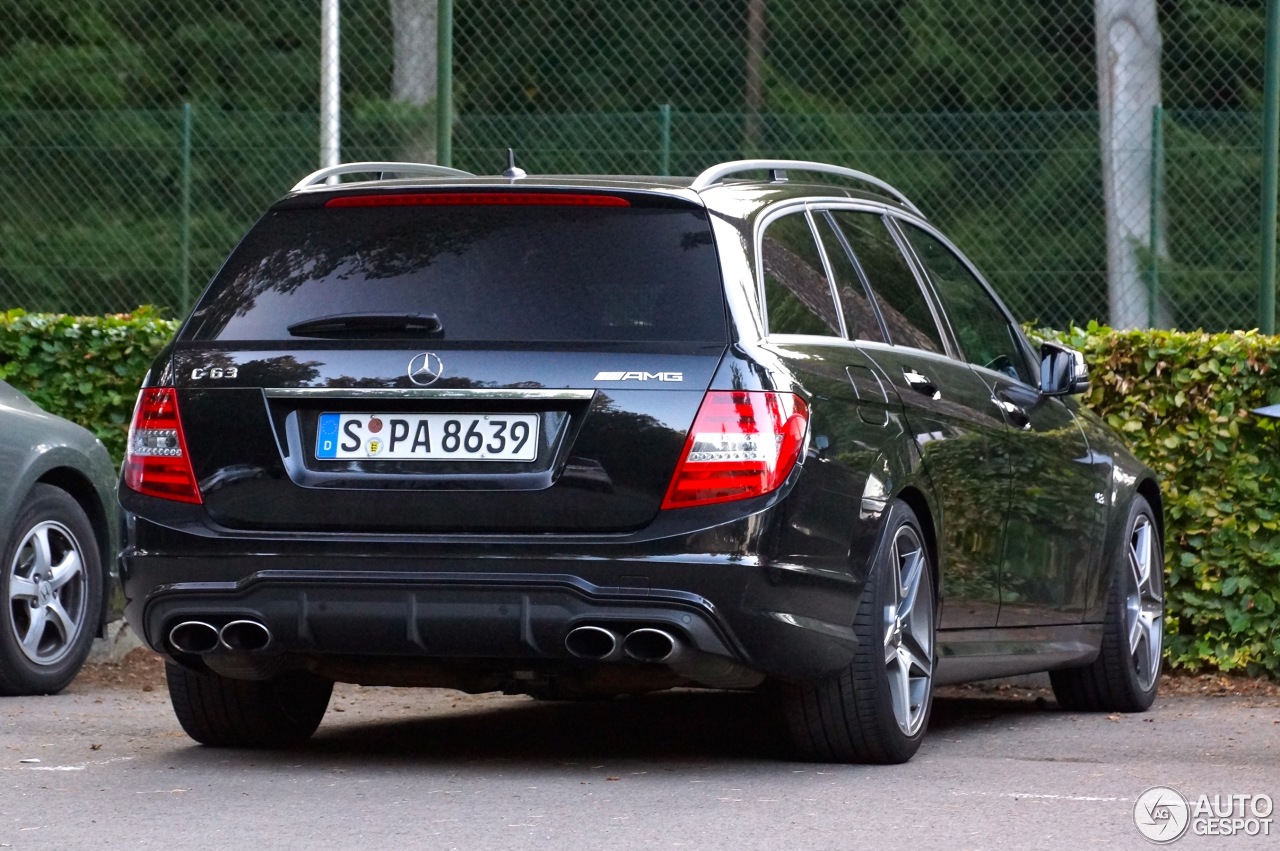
(920, 383)
(1018, 417)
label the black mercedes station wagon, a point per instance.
(571, 437)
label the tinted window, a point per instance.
(859, 316)
(902, 303)
(796, 291)
(489, 273)
(985, 336)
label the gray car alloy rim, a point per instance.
(1144, 602)
(47, 593)
(908, 633)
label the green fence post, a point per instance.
(664, 147)
(1270, 144)
(1157, 204)
(444, 83)
(185, 296)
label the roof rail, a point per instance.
(718, 173)
(318, 177)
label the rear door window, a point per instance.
(906, 312)
(489, 273)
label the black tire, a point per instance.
(224, 713)
(51, 586)
(877, 709)
(1126, 675)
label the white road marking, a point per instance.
(1086, 798)
(79, 766)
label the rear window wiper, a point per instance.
(381, 324)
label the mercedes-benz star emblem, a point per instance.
(425, 369)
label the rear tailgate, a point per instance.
(598, 457)
(552, 358)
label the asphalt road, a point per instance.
(395, 768)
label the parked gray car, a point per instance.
(59, 528)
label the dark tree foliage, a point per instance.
(586, 56)
(982, 110)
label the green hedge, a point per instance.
(1181, 399)
(84, 368)
(1183, 402)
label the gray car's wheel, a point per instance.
(877, 709)
(1126, 674)
(222, 712)
(52, 585)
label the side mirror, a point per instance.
(1062, 371)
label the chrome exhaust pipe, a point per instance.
(245, 636)
(652, 645)
(591, 642)
(194, 637)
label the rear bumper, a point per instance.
(511, 603)
(437, 615)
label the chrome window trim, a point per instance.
(860, 273)
(809, 212)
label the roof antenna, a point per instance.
(513, 171)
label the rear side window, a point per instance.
(859, 316)
(488, 273)
(796, 290)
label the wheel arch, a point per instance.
(918, 503)
(1150, 490)
(1114, 536)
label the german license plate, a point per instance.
(428, 437)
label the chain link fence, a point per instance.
(140, 138)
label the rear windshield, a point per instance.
(488, 273)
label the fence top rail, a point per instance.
(380, 168)
(778, 168)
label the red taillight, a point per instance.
(742, 444)
(156, 461)
(478, 199)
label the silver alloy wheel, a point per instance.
(1144, 602)
(47, 592)
(908, 633)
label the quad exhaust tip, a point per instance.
(591, 642)
(245, 635)
(194, 637)
(199, 637)
(651, 645)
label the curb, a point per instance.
(119, 640)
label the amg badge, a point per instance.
(639, 376)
